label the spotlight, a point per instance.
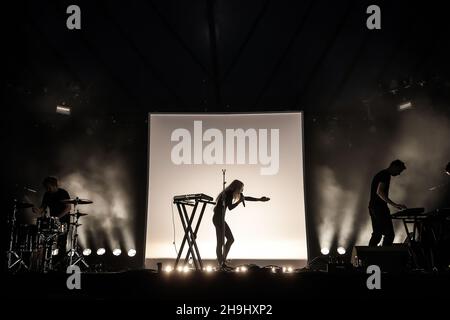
(63, 110)
(325, 251)
(185, 269)
(341, 250)
(242, 269)
(273, 270)
(287, 269)
(87, 252)
(101, 251)
(405, 106)
(71, 253)
(117, 252)
(55, 252)
(209, 268)
(179, 268)
(168, 269)
(131, 253)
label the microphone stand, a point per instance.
(223, 216)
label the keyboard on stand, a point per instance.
(193, 197)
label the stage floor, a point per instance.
(257, 286)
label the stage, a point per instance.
(256, 286)
(305, 142)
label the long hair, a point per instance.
(232, 187)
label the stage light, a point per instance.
(55, 252)
(117, 252)
(325, 251)
(273, 270)
(244, 269)
(405, 106)
(168, 269)
(87, 252)
(71, 253)
(179, 268)
(287, 269)
(185, 269)
(101, 251)
(209, 268)
(131, 253)
(65, 110)
(341, 250)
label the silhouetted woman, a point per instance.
(232, 196)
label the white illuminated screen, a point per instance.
(187, 154)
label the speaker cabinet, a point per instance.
(394, 258)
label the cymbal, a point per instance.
(79, 214)
(77, 201)
(22, 205)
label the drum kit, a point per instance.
(32, 246)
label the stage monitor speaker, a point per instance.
(394, 258)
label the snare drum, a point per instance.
(48, 225)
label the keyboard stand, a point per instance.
(414, 238)
(190, 236)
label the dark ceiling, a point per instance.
(216, 55)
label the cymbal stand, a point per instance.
(13, 257)
(74, 253)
